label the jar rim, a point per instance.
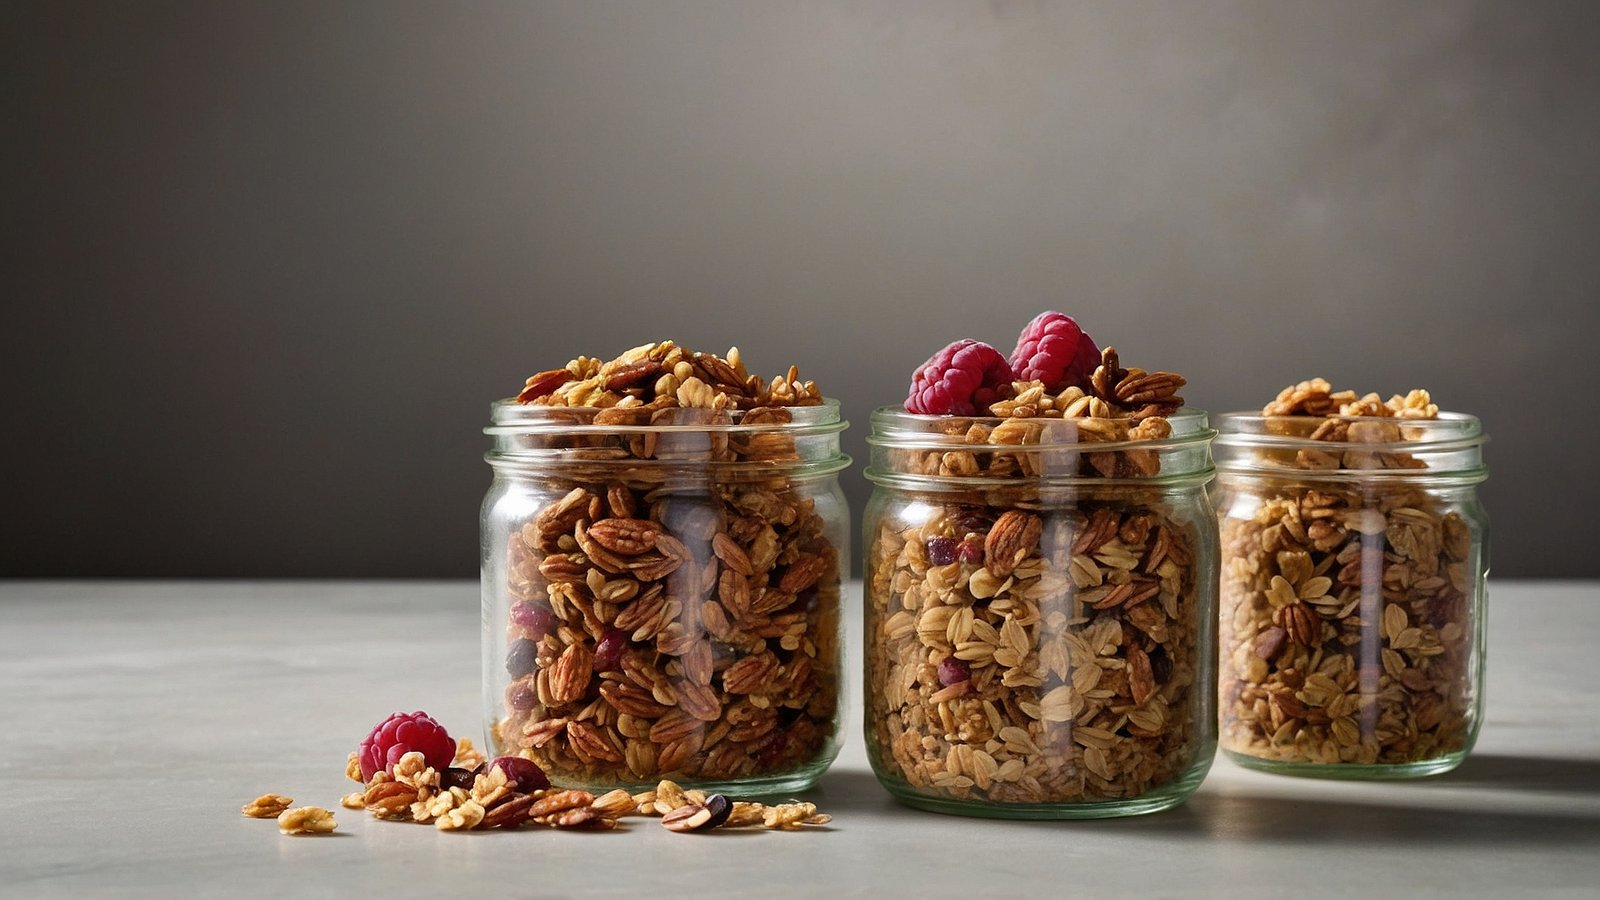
(1054, 455)
(1446, 448)
(894, 428)
(532, 439)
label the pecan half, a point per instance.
(569, 675)
(543, 384)
(1014, 535)
(631, 375)
(628, 537)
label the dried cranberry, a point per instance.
(520, 695)
(941, 551)
(404, 733)
(971, 551)
(1160, 665)
(536, 617)
(522, 657)
(608, 650)
(972, 519)
(953, 671)
(770, 751)
(521, 774)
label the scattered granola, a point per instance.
(1031, 644)
(670, 801)
(267, 806)
(661, 625)
(495, 799)
(306, 820)
(1347, 602)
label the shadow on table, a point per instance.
(1284, 820)
(1526, 773)
(1228, 815)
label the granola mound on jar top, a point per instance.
(663, 624)
(1346, 604)
(1027, 643)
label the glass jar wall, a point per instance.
(1040, 600)
(1352, 593)
(662, 600)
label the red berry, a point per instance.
(941, 551)
(608, 650)
(536, 617)
(770, 751)
(1055, 351)
(962, 379)
(522, 775)
(403, 733)
(971, 551)
(954, 671)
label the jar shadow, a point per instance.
(1526, 773)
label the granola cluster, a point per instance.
(1120, 406)
(668, 625)
(662, 376)
(1346, 605)
(1035, 649)
(470, 795)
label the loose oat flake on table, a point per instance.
(1032, 644)
(673, 601)
(1347, 597)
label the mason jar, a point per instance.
(1354, 559)
(1040, 599)
(661, 594)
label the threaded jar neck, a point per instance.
(957, 452)
(794, 441)
(1443, 450)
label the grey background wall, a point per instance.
(266, 264)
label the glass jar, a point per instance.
(661, 594)
(1352, 595)
(1040, 598)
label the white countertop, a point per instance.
(139, 716)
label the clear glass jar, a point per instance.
(662, 600)
(1354, 559)
(1040, 599)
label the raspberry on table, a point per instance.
(403, 733)
(1052, 349)
(962, 379)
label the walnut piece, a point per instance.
(267, 806)
(306, 820)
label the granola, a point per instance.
(1041, 645)
(664, 623)
(306, 820)
(267, 806)
(1347, 604)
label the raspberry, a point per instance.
(962, 379)
(1055, 351)
(400, 734)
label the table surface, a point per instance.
(139, 716)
